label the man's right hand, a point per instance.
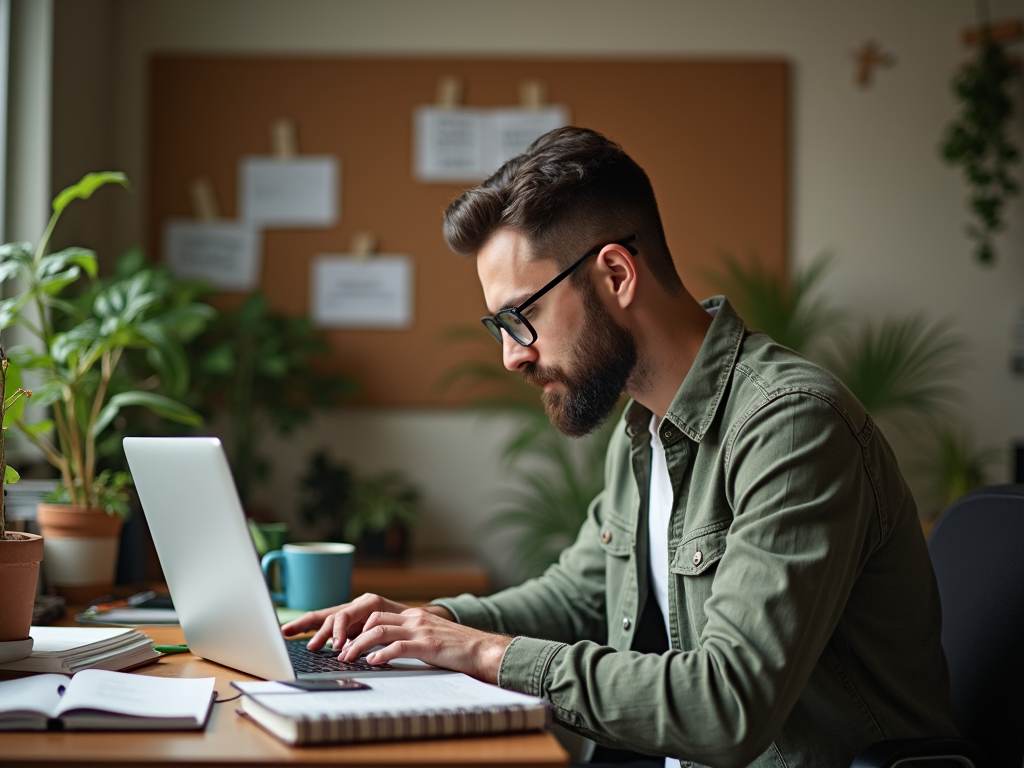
(343, 622)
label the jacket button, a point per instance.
(697, 557)
(669, 434)
(626, 623)
(606, 535)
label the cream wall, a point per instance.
(867, 182)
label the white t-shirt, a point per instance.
(659, 510)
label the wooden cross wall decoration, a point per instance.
(869, 57)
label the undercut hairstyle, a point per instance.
(570, 191)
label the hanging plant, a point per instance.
(977, 141)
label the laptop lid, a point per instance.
(208, 558)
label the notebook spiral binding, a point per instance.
(442, 722)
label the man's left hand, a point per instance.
(418, 634)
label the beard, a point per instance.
(604, 357)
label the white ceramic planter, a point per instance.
(80, 550)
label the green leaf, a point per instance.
(131, 261)
(11, 475)
(787, 314)
(9, 269)
(20, 253)
(159, 404)
(12, 383)
(9, 309)
(167, 357)
(39, 429)
(27, 358)
(901, 366)
(54, 284)
(86, 186)
(57, 262)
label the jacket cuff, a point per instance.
(525, 664)
(468, 610)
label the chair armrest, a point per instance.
(921, 753)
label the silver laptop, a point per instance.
(212, 569)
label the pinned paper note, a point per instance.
(226, 254)
(301, 192)
(511, 131)
(449, 144)
(471, 144)
(360, 292)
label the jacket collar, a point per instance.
(698, 397)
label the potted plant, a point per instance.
(259, 365)
(376, 512)
(76, 358)
(980, 139)
(20, 553)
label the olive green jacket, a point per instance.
(804, 612)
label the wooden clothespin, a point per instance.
(449, 92)
(533, 94)
(283, 140)
(363, 245)
(204, 200)
(868, 57)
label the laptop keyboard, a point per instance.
(326, 660)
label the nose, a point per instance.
(514, 354)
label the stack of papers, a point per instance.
(68, 650)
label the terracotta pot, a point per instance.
(20, 554)
(80, 544)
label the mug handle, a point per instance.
(270, 557)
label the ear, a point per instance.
(617, 274)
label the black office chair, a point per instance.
(977, 548)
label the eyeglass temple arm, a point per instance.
(624, 243)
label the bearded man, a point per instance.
(752, 586)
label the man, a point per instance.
(754, 532)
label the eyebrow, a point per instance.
(515, 301)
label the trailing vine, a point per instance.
(978, 141)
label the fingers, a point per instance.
(344, 621)
(379, 634)
(307, 621)
(323, 634)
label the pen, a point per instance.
(171, 648)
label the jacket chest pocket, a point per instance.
(700, 550)
(615, 538)
(693, 569)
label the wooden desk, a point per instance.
(230, 740)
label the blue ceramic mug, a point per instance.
(313, 575)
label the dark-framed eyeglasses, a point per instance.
(512, 320)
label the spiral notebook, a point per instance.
(391, 708)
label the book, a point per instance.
(142, 609)
(97, 699)
(393, 707)
(71, 649)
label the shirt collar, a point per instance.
(698, 397)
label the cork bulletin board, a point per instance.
(712, 135)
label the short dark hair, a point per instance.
(571, 190)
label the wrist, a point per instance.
(439, 611)
(490, 656)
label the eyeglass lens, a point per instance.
(515, 326)
(512, 324)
